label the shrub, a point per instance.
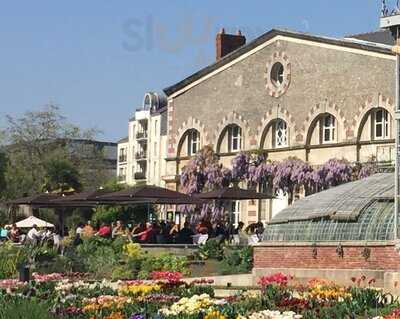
(123, 272)
(132, 250)
(101, 262)
(237, 260)
(211, 249)
(61, 264)
(11, 258)
(14, 307)
(164, 262)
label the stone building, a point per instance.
(141, 155)
(288, 94)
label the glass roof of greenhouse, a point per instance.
(360, 210)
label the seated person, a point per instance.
(118, 230)
(88, 230)
(185, 235)
(14, 234)
(104, 231)
(146, 236)
(3, 233)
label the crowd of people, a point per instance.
(168, 232)
(163, 232)
(34, 236)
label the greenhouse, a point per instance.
(362, 210)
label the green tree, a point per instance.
(43, 149)
(61, 176)
(3, 167)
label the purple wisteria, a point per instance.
(291, 176)
(367, 170)
(204, 173)
(334, 172)
(240, 166)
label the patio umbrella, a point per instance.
(233, 193)
(32, 220)
(160, 201)
(148, 194)
(83, 199)
(35, 200)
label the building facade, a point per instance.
(290, 95)
(141, 156)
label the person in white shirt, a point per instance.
(79, 229)
(33, 235)
(47, 234)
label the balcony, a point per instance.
(390, 17)
(141, 135)
(122, 158)
(141, 155)
(140, 176)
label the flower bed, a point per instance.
(166, 296)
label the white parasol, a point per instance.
(32, 220)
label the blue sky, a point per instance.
(97, 58)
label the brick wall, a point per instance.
(382, 257)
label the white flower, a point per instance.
(269, 314)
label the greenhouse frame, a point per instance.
(362, 210)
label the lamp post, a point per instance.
(390, 19)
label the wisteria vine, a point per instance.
(204, 172)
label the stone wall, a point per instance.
(321, 80)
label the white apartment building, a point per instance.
(141, 155)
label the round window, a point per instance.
(277, 74)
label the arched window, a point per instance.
(193, 142)
(280, 134)
(328, 129)
(381, 124)
(234, 138)
(189, 143)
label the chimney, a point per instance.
(226, 43)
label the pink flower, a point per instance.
(279, 279)
(47, 277)
(169, 276)
(11, 283)
(202, 281)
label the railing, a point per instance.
(387, 12)
(140, 175)
(141, 135)
(141, 155)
